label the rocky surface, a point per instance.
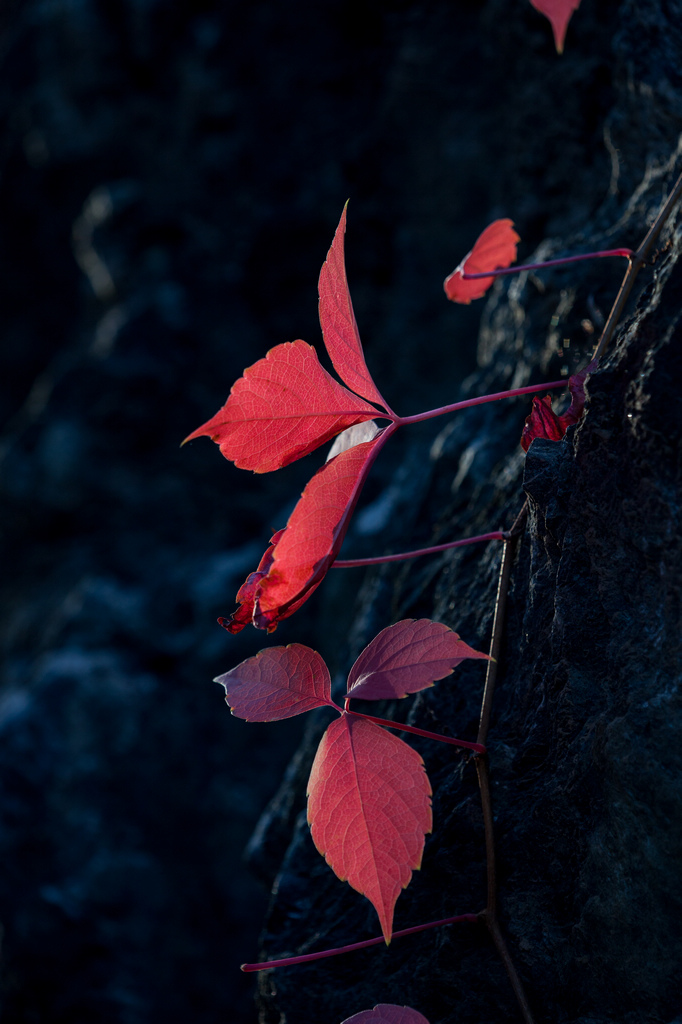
(171, 178)
(586, 728)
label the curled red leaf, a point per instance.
(299, 556)
(544, 422)
(576, 389)
(337, 319)
(369, 807)
(284, 407)
(387, 1013)
(559, 13)
(313, 535)
(494, 249)
(277, 683)
(246, 595)
(407, 657)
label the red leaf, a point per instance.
(559, 13)
(337, 319)
(284, 407)
(369, 808)
(542, 422)
(314, 534)
(387, 1013)
(246, 595)
(576, 388)
(279, 682)
(494, 248)
(407, 657)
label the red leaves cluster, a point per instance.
(494, 249)
(369, 799)
(544, 422)
(559, 13)
(284, 407)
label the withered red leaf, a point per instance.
(246, 595)
(544, 422)
(541, 422)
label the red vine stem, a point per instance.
(307, 957)
(478, 748)
(481, 400)
(350, 563)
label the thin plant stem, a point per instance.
(489, 915)
(478, 748)
(562, 261)
(503, 950)
(351, 563)
(481, 400)
(490, 862)
(307, 957)
(636, 264)
(498, 626)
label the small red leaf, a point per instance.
(284, 407)
(494, 249)
(542, 422)
(369, 807)
(337, 319)
(407, 657)
(576, 388)
(559, 13)
(279, 682)
(387, 1013)
(313, 535)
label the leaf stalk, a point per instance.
(351, 563)
(562, 261)
(478, 748)
(307, 957)
(481, 400)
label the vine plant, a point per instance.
(369, 802)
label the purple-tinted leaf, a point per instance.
(387, 1013)
(279, 682)
(407, 657)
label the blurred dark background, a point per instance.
(171, 175)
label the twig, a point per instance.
(637, 262)
(503, 950)
(508, 551)
(489, 915)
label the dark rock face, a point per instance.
(171, 178)
(584, 743)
